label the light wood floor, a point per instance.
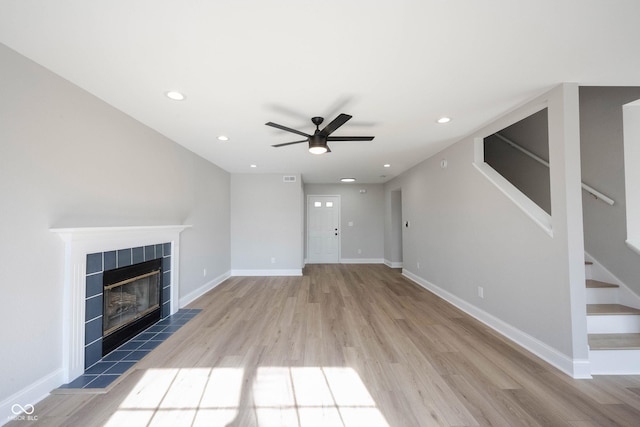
(345, 345)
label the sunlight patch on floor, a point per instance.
(219, 404)
(270, 396)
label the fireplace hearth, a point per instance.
(132, 301)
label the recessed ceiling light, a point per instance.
(443, 120)
(254, 166)
(347, 179)
(387, 165)
(223, 138)
(175, 95)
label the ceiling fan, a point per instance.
(318, 141)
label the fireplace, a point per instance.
(132, 301)
(89, 251)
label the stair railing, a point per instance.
(595, 193)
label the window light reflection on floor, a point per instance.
(276, 396)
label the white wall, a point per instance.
(602, 150)
(465, 233)
(67, 159)
(266, 224)
(365, 211)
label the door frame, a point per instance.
(306, 225)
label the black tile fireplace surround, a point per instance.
(97, 265)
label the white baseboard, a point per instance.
(576, 368)
(581, 369)
(193, 295)
(634, 245)
(361, 261)
(393, 264)
(30, 395)
(292, 272)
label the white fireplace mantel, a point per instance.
(81, 241)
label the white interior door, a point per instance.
(323, 229)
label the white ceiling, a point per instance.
(395, 66)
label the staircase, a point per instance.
(614, 330)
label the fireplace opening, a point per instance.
(132, 302)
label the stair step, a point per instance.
(609, 309)
(614, 341)
(592, 284)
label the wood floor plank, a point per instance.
(481, 407)
(378, 349)
(532, 405)
(470, 360)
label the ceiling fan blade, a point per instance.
(289, 143)
(335, 124)
(338, 105)
(277, 126)
(350, 138)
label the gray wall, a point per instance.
(266, 223)
(68, 159)
(525, 173)
(602, 153)
(466, 233)
(365, 211)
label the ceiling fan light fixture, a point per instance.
(175, 95)
(318, 149)
(317, 144)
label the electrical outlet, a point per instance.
(418, 264)
(480, 291)
(273, 260)
(359, 251)
(204, 272)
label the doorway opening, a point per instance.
(395, 260)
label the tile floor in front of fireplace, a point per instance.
(116, 363)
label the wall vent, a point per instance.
(289, 178)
